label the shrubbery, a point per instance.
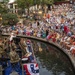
(9, 19)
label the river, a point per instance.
(51, 60)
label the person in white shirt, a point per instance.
(12, 36)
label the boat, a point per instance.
(26, 65)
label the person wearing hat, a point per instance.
(14, 57)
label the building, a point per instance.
(1, 0)
(12, 6)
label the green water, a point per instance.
(51, 60)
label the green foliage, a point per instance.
(49, 1)
(44, 2)
(37, 2)
(9, 19)
(3, 8)
(58, 0)
(6, 1)
(24, 3)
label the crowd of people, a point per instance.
(58, 25)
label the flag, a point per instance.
(31, 69)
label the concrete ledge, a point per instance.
(70, 57)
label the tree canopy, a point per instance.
(47, 1)
(9, 19)
(24, 3)
(27, 3)
(43, 2)
(3, 8)
(58, 0)
(5, 1)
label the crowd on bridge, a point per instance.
(58, 25)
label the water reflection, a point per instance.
(51, 61)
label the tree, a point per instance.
(24, 4)
(9, 19)
(38, 2)
(47, 1)
(44, 3)
(5, 1)
(58, 0)
(3, 8)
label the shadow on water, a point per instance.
(51, 60)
